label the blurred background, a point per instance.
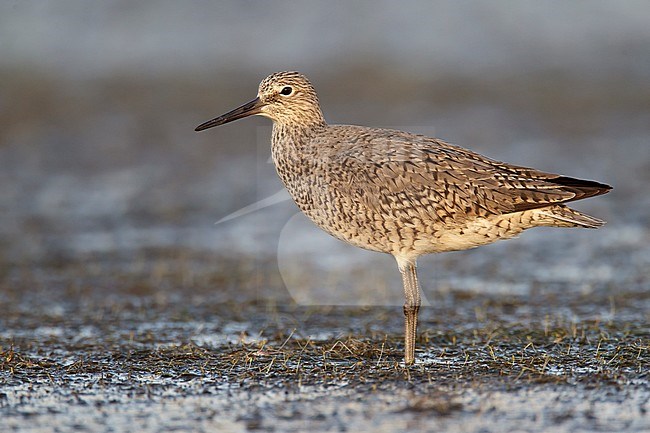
(104, 183)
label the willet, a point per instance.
(400, 193)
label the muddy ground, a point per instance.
(81, 351)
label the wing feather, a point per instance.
(424, 175)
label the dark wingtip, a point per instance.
(582, 188)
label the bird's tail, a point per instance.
(563, 216)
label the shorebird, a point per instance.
(399, 193)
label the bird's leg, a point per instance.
(411, 307)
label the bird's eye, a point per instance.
(286, 91)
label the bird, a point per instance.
(400, 193)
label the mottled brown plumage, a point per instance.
(400, 193)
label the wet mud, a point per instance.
(79, 352)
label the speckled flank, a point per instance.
(400, 193)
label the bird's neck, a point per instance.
(293, 152)
(293, 138)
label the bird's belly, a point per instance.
(412, 237)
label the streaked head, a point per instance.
(287, 98)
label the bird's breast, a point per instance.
(315, 188)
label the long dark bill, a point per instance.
(248, 109)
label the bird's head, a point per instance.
(287, 98)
